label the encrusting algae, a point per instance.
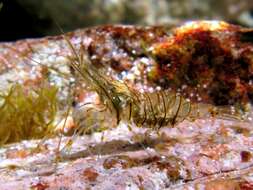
(179, 129)
(187, 69)
(168, 107)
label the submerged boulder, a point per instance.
(207, 62)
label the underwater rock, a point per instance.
(205, 153)
(211, 60)
(206, 61)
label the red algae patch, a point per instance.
(90, 174)
(159, 140)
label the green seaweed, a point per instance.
(27, 114)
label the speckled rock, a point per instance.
(208, 153)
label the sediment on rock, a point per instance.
(206, 61)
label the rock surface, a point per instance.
(208, 153)
(207, 61)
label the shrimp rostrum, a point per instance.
(154, 109)
(122, 102)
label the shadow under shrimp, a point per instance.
(122, 102)
(144, 109)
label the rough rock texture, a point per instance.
(208, 153)
(206, 61)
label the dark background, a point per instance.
(16, 22)
(36, 18)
